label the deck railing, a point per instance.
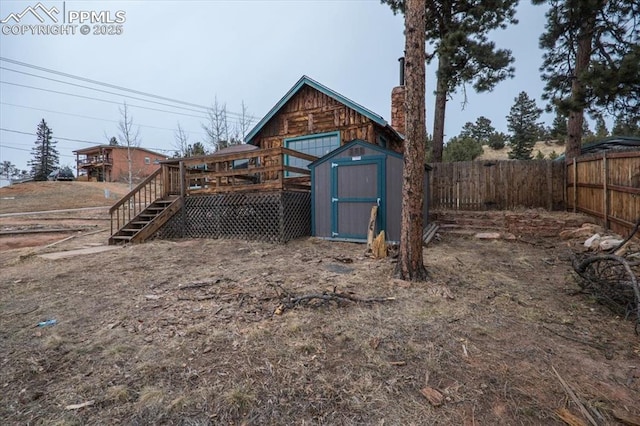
(161, 183)
(258, 170)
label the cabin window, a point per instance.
(147, 160)
(317, 145)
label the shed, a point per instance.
(348, 181)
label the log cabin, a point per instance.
(262, 192)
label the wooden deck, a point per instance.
(259, 170)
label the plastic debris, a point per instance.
(47, 323)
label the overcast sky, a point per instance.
(195, 51)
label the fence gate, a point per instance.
(357, 184)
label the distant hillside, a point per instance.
(545, 147)
(38, 196)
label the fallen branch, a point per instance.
(199, 298)
(575, 398)
(337, 297)
(600, 275)
(199, 284)
(78, 406)
(578, 340)
(629, 237)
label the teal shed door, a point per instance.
(357, 184)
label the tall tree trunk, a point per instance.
(439, 111)
(576, 113)
(410, 265)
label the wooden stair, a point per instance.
(147, 222)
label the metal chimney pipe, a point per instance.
(401, 60)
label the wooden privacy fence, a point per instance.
(607, 186)
(498, 185)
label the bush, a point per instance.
(461, 149)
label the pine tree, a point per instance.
(559, 127)
(483, 130)
(601, 128)
(45, 154)
(592, 60)
(522, 122)
(626, 126)
(410, 265)
(457, 32)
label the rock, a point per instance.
(609, 243)
(592, 241)
(488, 235)
(586, 230)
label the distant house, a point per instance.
(109, 163)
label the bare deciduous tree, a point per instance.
(181, 141)
(129, 137)
(244, 122)
(217, 128)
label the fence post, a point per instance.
(605, 195)
(183, 191)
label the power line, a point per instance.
(74, 140)
(28, 150)
(94, 118)
(100, 90)
(113, 86)
(99, 100)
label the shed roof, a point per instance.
(365, 144)
(349, 145)
(612, 143)
(308, 81)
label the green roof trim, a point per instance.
(304, 80)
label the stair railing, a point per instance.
(159, 184)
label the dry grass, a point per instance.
(229, 360)
(545, 148)
(35, 196)
(484, 331)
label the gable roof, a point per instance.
(307, 81)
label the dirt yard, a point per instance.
(199, 332)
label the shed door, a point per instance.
(357, 184)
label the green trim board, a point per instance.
(305, 80)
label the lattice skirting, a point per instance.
(269, 216)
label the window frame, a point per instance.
(308, 138)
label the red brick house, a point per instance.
(109, 163)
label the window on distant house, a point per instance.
(317, 145)
(147, 160)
